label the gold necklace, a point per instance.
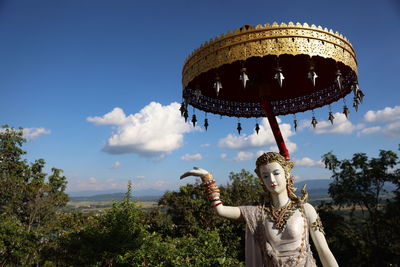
(280, 216)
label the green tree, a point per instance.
(190, 212)
(120, 236)
(29, 200)
(104, 237)
(359, 183)
(244, 188)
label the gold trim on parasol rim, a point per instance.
(275, 39)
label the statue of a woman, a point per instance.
(277, 233)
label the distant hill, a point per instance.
(112, 197)
(89, 193)
(314, 187)
(109, 195)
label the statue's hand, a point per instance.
(195, 172)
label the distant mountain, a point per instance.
(314, 184)
(111, 195)
(314, 187)
(90, 193)
(319, 188)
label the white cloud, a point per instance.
(370, 130)
(264, 138)
(140, 177)
(193, 157)
(240, 156)
(243, 156)
(389, 120)
(392, 130)
(33, 133)
(308, 162)
(204, 145)
(387, 114)
(152, 132)
(116, 165)
(115, 117)
(341, 125)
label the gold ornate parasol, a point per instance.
(270, 70)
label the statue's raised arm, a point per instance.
(213, 193)
(277, 233)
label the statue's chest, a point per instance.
(292, 232)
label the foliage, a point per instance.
(190, 212)
(359, 183)
(205, 249)
(17, 244)
(104, 236)
(244, 189)
(120, 237)
(29, 200)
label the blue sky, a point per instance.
(95, 85)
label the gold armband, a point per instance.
(317, 225)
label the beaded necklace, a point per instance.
(282, 215)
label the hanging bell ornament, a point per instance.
(355, 103)
(194, 120)
(243, 77)
(331, 117)
(346, 111)
(295, 125)
(357, 92)
(279, 76)
(182, 109)
(239, 128)
(217, 86)
(314, 122)
(339, 79)
(205, 124)
(257, 128)
(185, 115)
(360, 95)
(197, 94)
(355, 88)
(312, 76)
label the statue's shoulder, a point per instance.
(310, 212)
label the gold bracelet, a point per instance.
(213, 195)
(212, 189)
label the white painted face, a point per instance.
(273, 177)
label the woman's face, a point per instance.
(273, 177)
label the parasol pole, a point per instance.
(275, 128)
